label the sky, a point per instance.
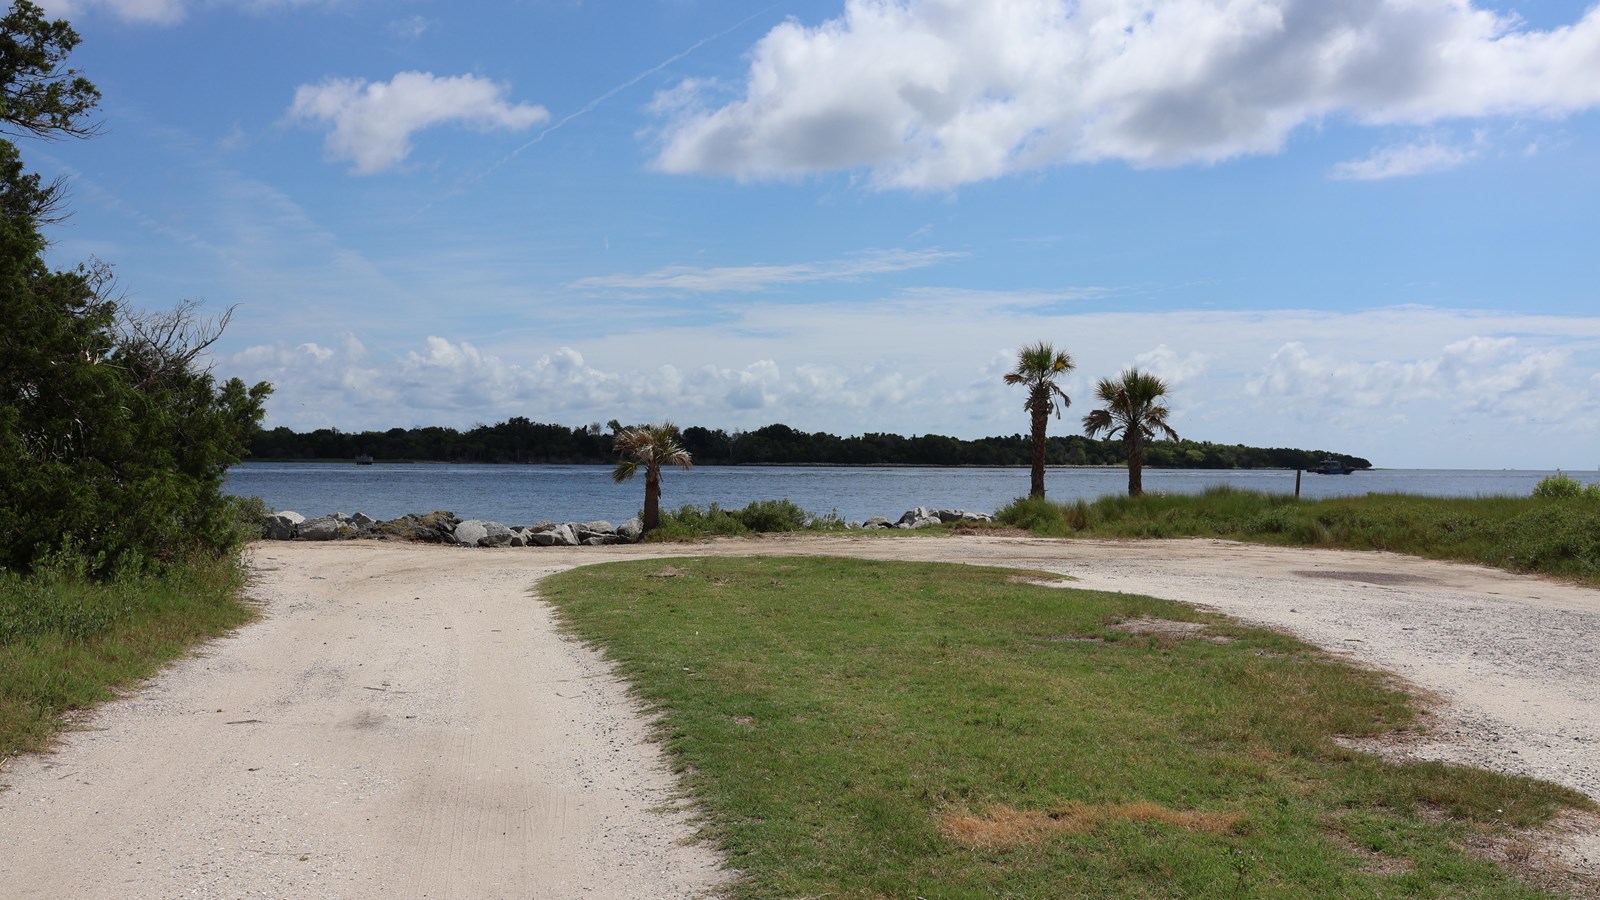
(1366, 226)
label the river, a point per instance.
(519, 495)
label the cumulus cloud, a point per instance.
(156, 12)
(1403, 161)
(693, 279)
(1170, 365)
(1492, 376)
(373, 122)
(931, 94)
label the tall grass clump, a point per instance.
(1554, 532)
(70, 639)
(1562, 486)
(692, 522)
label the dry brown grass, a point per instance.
(1003, 826)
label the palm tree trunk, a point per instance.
(1135, 468)
(1041, 421)
(652, 499)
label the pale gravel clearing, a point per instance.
(406, 722)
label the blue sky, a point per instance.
(1362, 225)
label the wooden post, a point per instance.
(1297, 474)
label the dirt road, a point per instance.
(405, 721)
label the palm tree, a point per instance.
(1038, 366)
(1131, 407)
(650, 447)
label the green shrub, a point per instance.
(1559, 486)
(774, 515)
(1036, 514)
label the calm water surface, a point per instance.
(527, 494)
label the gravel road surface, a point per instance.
(406, 722)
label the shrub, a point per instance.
(1036, 514)
(774, 515)
(1559, 486)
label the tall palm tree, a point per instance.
(1038, 367)
(649, 447)
(1131, 408)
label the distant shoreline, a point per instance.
(775, 465)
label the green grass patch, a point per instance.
(693, 523)
(1551, 535)
(872, 729)
(68, 642)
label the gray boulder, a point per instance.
(631, 530)
(481, 533)
(436, 527)
(498, 535)
(326, 528)
(599, 526)
(559, 536)
(281, 526)
(876, 522)
(950, 515)
(469, 532)
(363, 522)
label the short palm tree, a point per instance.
(1131, 409)
(649, 447)
(1038, 367)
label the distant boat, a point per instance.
(1331, 467)
(363, 460)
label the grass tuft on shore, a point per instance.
(1551, 536)
(69, 641)
(862, 729)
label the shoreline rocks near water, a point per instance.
(442, 527)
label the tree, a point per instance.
(650, 447)
(114, 441)
(1131, 409)
(1038, 367)
(38, 96)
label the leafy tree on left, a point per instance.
(114, 440)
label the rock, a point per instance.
(499, 536)
(631, 530)
(950, 515)
(564, 536)
(326, 528)
(977, 517)
(911, 515)
(480, 533)
(518, 538)
(876, 522)
(918, 518)
(599, 526)
(433, 528)
(542, 538)
(362, 521)
(281, 526)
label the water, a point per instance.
(519, 495)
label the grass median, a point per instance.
(1559, 537)
(68, 642)
(865, 729)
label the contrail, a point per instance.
(592, 104)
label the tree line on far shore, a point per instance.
(520, 440)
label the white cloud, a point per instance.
(1402, 386)
(1402, 161)
(373, 122)
(692, 279)
(932, 94)
(154, 12)
(1170, 365)
(1490, 376)
(410, 28)
(163, 12)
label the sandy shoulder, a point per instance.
(405, 721)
